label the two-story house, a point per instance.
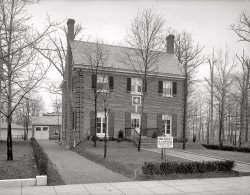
(163, 107)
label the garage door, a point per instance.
(41, 132)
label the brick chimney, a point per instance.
(70, 24)
(69, 95)
(170, 44)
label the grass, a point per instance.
(199, 149)
(123, 158)
(53, 176)
(22, 166)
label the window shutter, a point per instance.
(145, 85)
(92, 123)
(129, 84)
(159, 123)
(174, 125)
(94, 81)
(174, 88)
(111, 83)
(128, 124)
(111, 124)
(144, 124)
(160, 87)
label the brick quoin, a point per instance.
(78, 98)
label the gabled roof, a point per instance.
(167, 65)
(46, 120)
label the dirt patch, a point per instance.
(22, 166)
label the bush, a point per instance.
(119, 139)
(111, 139)
(164, 168)
(40, 157)
(227, 148)
(120, 134)
(94, 138)
(154, 135)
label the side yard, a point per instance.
(22, 166)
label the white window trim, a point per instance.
(137, 82)
(136, 116)
(102, 116)
(42, 128)
(171, 84)
(102, 79)
(167, 117)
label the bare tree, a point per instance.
(210, 82)
(144, 39)
(21, 71)
(242, 27)
(223, 82)
(97, 57)
(243, 80)
(190, 57)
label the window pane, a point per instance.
(38, 128)
(98, 129)
(45, 128)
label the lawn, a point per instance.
(199, 149)
(22, 166)
(123, 158)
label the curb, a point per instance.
(40, 180)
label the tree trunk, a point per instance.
(9, 141)
(142, 109)
(105, 139)
(95, 139)
(247, 118)
(184, 112)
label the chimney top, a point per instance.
(70, 21)
(170, 43)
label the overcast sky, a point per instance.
(209, 21)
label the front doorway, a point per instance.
(100, 125)
(166, 125)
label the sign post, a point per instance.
(164, 142)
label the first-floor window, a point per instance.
(135, 120)
(167, 124)
(56, 132)
(100, 124)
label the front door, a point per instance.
(167, 124)
(41, 132)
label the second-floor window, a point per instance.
(102, 83)
(136, 85)
(167, 88)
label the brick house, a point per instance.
(163, 108)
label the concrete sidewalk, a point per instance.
(75, 169)
(240, 166)
(227, 186)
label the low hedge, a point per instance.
(165, 168)
(40, 157)
(227, 148)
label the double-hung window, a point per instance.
(100, 124)
(102, 83)
(167, 89)
(136, 85)
(135, 120)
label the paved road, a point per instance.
(208, 186)
(241, 167)
(75, 169)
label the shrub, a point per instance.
(227, 148)
(94, 138)
(120, 134)
(40, 157)
(111, 139)
(119, 139)
(164, 168)
(154, 135)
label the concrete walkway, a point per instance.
(226, 186)
(75, 169)
(240, 166)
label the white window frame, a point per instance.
(103, 79)
(166, 118)
(137, 117)
(39, 127)
(102, 116)
(46, 127)
(136, 84)
(165, 84)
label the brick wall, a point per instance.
(120, 102)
